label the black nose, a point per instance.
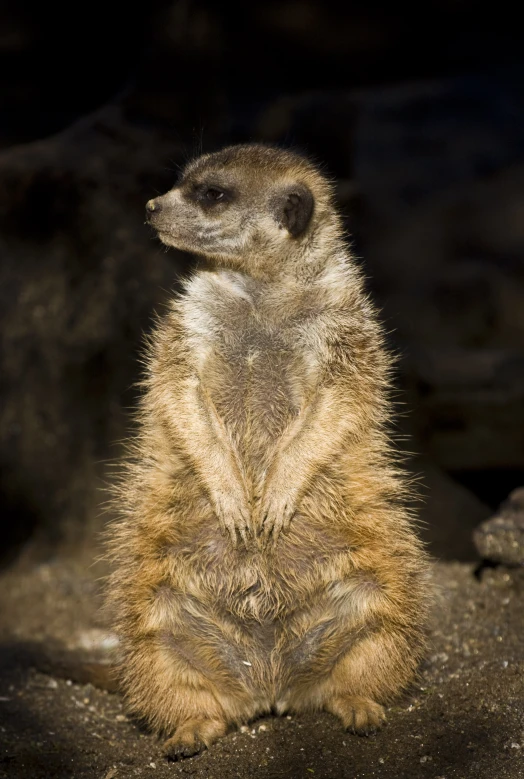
(153, 207)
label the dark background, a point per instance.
(419, 113)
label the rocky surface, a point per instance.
(463, 719)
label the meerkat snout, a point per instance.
(153, 211)
(152, 206)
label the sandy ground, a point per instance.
(464, 717)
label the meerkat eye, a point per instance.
(209, 196)
(214, 194)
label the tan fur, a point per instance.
(264, 559)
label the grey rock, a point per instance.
(501, 538)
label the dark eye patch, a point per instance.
(210, 194)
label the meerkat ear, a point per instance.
(293, 209)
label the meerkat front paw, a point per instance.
(275, 513)
(234, 515)
(359, 715)
(193, 737)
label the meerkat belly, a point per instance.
(254, 387)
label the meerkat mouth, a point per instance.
(166, 237)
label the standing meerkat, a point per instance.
(264, 559)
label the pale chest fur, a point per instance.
(257, 370)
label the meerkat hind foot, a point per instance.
(359, 715)
(193, 737)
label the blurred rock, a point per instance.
(418, 141)
(80, 276)
(439, 167)
(501, 538)
(447, 512)
(470, 407)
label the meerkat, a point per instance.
(264, 559)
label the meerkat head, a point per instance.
(244, 206)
